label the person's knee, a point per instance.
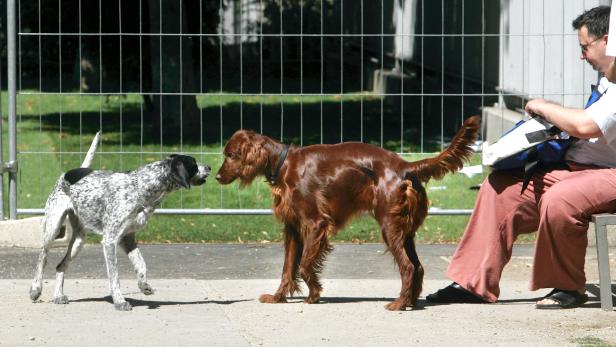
(562, 214)
(552, 205)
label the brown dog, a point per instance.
(317, 189)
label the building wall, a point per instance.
(540, 54)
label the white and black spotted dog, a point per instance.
(112, 204)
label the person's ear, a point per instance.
(611, 71)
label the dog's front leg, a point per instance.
(292, 255)
(129, 244)
(316, 247)
(139, 264)
(142, 217)
(110, 250)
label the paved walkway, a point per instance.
(206, 295)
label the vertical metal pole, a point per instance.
(12, 77)
(1, 154)
(603, 260)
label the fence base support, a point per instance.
(28, 233)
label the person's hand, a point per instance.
(535, 107)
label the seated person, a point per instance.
(558, 203)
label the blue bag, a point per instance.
(546, 155)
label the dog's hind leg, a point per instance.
(52, 225)
(292, 256)
(418, 274)
(75, 245)
(395, 244)
(129, 245)
(406, 269)
(405, 211)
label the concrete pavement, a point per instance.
(207, 295)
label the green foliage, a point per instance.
(589, 341)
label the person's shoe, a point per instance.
(563, 299)
(454, 294)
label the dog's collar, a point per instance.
(272, 177)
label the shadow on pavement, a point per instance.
(156, 304)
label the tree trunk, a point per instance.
(174, 117)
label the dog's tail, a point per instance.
(452, 158)
(90, 155)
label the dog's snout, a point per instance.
(200, 177)
(205, 170)
(218, 177)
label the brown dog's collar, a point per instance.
(272, 177)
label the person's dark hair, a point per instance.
(596, 20)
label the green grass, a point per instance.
(54, 131)
(589, 341)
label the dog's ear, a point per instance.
(252, 150)
(181, 170)
(249, 151)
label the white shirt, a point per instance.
(602, 150)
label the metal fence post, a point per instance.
(1, 153)
(11, 166)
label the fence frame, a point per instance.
(11, 166)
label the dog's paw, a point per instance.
(272, 299)
(123, 306)
(35, 293)
(396, 306)
(312, 299)
(61, 300)
(146, 288)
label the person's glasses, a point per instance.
(584, 47)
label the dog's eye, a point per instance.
(232, 155)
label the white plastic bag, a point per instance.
(531, 133)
